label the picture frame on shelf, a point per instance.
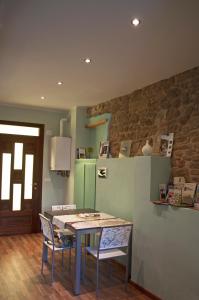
(196, 202)
(104, 149)
(163, 192)
(81, 153)
(166, 144)
(188, 193)
(125, 148)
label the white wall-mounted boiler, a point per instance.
(60, 158)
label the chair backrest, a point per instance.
(47, 228)
(69, 206)
(57, 207)
(115, 237)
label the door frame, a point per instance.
(37, 205)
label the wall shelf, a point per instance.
(98, 123)
(158, 202)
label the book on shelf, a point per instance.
(174, 195)
(196, 202)
(188, 193)
(179, 182)
(163, 192)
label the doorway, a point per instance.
(21, 164)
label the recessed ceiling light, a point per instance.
(42, 97)
(87, 60)
(60, 82)
(135, 22)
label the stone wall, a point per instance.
(171, 105)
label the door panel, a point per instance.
(18, 208)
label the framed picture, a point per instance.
(104, 149)
(188, 193)
(102, 172)
(125, 148)
(81, 153)
(166, 144)
(163, 192)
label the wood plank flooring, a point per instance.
(20, 277)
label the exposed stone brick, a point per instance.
(170, 105)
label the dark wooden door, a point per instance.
(21, 161)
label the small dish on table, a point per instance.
(89, 215)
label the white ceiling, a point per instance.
(44, 41)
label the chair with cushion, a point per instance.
(69, 206)
(50, 242)
(65, 233)
(113, 242)
(57, 207)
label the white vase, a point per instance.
(147, 149)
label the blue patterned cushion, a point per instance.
(115, 237)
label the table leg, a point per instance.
(77, 263)
(45, 253)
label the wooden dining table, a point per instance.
(84, 223)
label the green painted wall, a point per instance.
(100, 133)
(69, 194)
(82, 138)
(83, 135)
(53, 191)
(166, 240)
(115, 193)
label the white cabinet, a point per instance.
(60, 159)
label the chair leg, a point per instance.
(70, 258)
(62, 258)
(42, 260)
(97, 278)
(127, 272)
(110, 268)
(52, 271)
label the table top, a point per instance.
(100, 223)
(51, 213)
(62, 221)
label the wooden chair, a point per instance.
(50, 243)
(57, 207)
(69, 206)
(113, 242)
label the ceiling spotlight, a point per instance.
(59, 82)
(87, 60)
(135, 22)
(42, 97)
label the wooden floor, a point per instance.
(20, 277)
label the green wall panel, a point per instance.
(79, 185)
(85, 170)
(90, 176)
(115, 193)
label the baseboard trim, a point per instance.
(143, 290)
(137, 286)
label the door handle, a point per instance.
(35, 184)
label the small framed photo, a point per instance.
(163, 192)
(81, 153)
(102, 172)
(125, 148)
(104, 149)
(166, 144)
